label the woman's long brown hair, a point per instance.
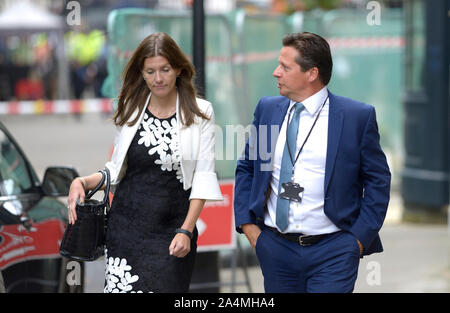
(135, 90)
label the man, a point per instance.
(316, 205)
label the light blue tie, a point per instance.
(282, 214)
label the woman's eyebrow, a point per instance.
(151, 68)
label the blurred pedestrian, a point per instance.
(316, 206)
(163, 169)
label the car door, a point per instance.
(32, 223)
(18, 192)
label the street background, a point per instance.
(60, 67)
(416, 256)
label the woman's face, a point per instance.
(160, 76)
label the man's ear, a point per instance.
(313, 74)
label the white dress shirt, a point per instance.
(308, 216)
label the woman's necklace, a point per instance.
(162, 114)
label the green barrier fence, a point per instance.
(242, 52)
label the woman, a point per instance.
(162, 171)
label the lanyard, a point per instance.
(306, 139)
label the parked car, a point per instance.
(32, 223)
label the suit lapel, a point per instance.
(335, 123)
(277, 119)
(280, 113)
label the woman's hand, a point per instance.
(76, 192)
(181, 243)
(180, 246)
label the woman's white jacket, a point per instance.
(196, 144)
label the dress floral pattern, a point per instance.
(148, 205)
(118, 276)
(163, 137)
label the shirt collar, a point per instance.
(314, 102)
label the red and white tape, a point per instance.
(105, 105)
(366, 42)
(56, 106)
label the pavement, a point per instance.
(415, 258)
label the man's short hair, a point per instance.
(314, 51)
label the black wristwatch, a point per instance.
(184, 231)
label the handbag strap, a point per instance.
(89, 194)
(107, 180)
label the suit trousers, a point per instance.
(329, 266)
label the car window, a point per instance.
(14, 178)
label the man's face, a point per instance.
(292, 81)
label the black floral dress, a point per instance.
(148, 205)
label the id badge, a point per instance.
(291, 191)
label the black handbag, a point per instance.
(85, 240)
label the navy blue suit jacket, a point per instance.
(357, 177)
